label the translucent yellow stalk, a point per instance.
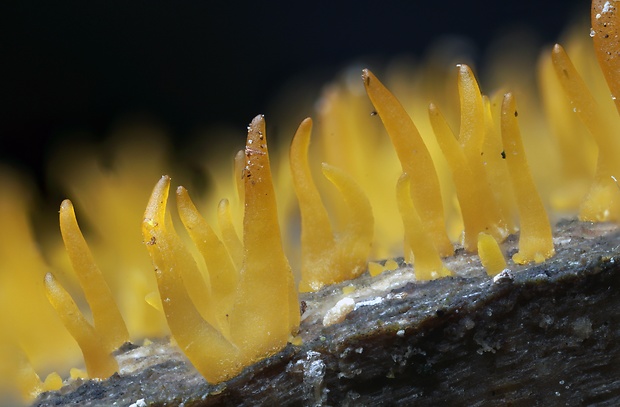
(355, 240)
(603, 200)
(565, 125)
(326, 260)
(497, 171)
(427, 261)
(267, 310)
(415, 160)
(341, 129)
(25, 310)
(111, 198)
(99, 361)
(467, 187)
(490, 254)
(350, 138)
(221, 271)
(238, 172)
(198, 285)
(208, 350)
(471, 135)
(316, 230)
(605, 20)
(535, 240)
(106, 316)
(229, 234)
(471, 138)
(19, 379)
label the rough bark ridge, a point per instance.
(543, 334)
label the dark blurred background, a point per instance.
(73, 67)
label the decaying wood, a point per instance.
(544, 334)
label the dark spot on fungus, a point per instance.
(302, 307)
(516, 113)
(503, 154)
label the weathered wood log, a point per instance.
(539, 334)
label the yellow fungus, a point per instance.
(247, 313)
(106, 316)
(350, 138)
(99, 361)
(229, 235)
(76, 374)
(355, 239)
(415, 160)
(266, 295)
(497, 174)
(243, 305)
(154, 301)
(535, 241)
(22, 270)
(325, 259)
(603, 200)
(110, 196)
(576, 148)
(472, 137)
(316, 231)
(208, 350)
(605, 20)
(465, 155)
(238, 172)
(374, 269)
(19, 380)
(52, 382)
(426, 259)
(198, 287)
(468, 188)
(221, 271)
(390, 264)
(490, 254)
(296, 341)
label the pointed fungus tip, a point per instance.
(163, 182)
(158, 198)
(256, 121)
(256, 135)
(162, 186)
(66, 204)
(366, 76)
